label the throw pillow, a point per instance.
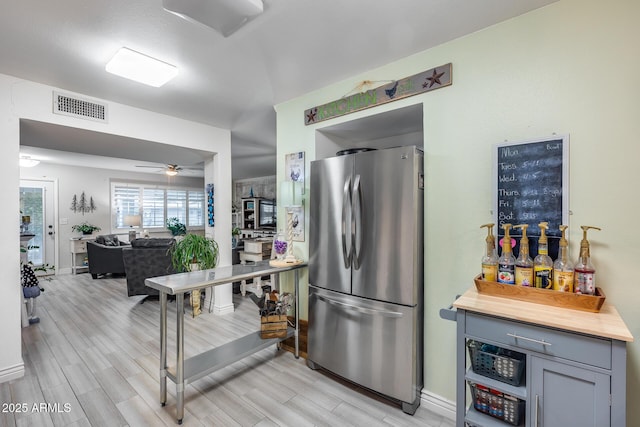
(108, 240)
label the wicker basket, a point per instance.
(500, 364)
(499, 405)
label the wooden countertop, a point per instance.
(607, 323)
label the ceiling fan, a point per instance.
(169, 169)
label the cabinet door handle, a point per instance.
(516, 336)
(535, 413)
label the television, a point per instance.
(267, 214)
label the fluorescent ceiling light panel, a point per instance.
(224, 16)
(141, 68)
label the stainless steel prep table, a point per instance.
(205, 363)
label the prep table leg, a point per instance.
(163, 348)
(297, 313)
(180, 357)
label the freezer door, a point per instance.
(374, 344)
(330, 225)
(388, 214)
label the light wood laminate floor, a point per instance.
(93, 360)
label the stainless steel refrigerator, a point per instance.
(366, 270)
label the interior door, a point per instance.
(330, 223)
(388, 256)
(37, 202)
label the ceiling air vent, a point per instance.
(77, 107)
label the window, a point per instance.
(157, 203)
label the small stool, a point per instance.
(30, 294)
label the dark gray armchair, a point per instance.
(147, 258)
(105, 255)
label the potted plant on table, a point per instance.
(85, 228)
(176, 227)
(194, 252)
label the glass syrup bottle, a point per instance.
(490, 258)
(585, 273)
(542, 263)
(506, 262)
(563, 270)
(524, 263)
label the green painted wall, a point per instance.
(569, 68)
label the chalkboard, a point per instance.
(531, 182)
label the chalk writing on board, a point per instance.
(530, 186)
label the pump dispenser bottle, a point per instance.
(563, 270)
(524, 263)
(542, 264)
(490, 259)
(506, 262)
(585, 276)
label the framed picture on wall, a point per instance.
(294, 167)
(298, 223)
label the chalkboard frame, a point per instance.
(533, 232)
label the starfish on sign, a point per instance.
(435, 78)
(311, 117)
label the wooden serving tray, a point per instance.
(591, 303)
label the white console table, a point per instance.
(78, 249)
(203, 364)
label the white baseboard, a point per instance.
(439, 405)
(12, 373)
(64, 271)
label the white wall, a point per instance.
(24, 99)
(569, 68)
(96, 183)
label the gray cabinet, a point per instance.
(565, 395)
(570, 377)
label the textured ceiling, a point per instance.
(294, 47)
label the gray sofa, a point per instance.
(146, 258)
(105, 255)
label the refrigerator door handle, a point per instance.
(364, 310)
(346, 203)
(356, 231)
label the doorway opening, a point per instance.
(38, 218)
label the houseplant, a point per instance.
(85, 228)
(194, 252)
(176, 227)
(234, 237)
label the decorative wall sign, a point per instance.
(210, 212)
(426, 81)
(82, 205)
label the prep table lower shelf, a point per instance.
(217, 358)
